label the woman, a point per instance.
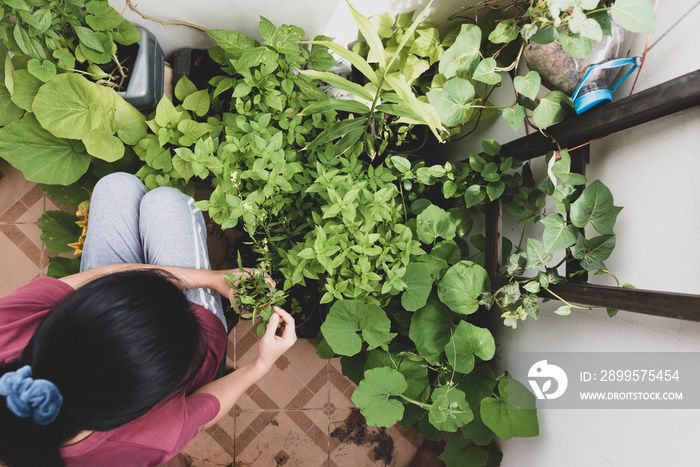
(114, 365)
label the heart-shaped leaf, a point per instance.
(373, 396)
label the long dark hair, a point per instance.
(114, 348)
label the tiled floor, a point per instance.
(299, 415)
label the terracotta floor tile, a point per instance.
(353, 443)
(299, 379)
(286, 438)
(21, 258)
(213, 447)
(340, 387)
(13, 188)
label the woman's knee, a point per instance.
(121, 183)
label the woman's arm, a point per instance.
(187, 278)
(273, 344)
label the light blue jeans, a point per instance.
(129, 224)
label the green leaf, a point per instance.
(71, 195)
(413, 370)
(575, 44)
(101, 143)
(9, 111)
(418, 286)
(460, 451)
(17, 4)
(26, 87)
(267, 30)
(462, 285)
(514, 116)
(463, 55)
(449, 410)
(486, 72)
(43, 70)
(340, 83)
(593, 252)
(562, 170)
(58, 229)
(166, 114)
(595, 206)
(474, 195)
(558, 235)
(506, 31)
(337, 130)
(512, 413)
(431, 329)
(349, 322)
(373, 396)
(184, 88)
(435, 222)
(28, 45)
(62, 267)
(634, 15)
(232, 42)
(41, 156)
(552, 109)
(536, 254)
(198, 102)
(342, 105)
(356, 60)
(468, 342)
(580, 24)
(373, 40)
(126, 33)
(102, 17)
(528, 85)
(452, 101)
(564, 310)
(494, 190)
(69, 106)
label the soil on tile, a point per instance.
(354, 430)
(281, 458)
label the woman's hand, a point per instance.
(276, 341)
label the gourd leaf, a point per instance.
(528, 85)
(418, 286)
(468, 342)
(373, 396)
(558, 235)
(463, 55)
(595, 206)
(349, 322)
(69, 106)
(552, 109)
(25, 89)
(486, 71)
(101, 143)
(506, 31)
(512, 413)
(44, 70)
(41, 156)
(415, 372)
(593, 252)
(431, 329)
(462, 285)
(634, 15)
(452, 100)
(449, 410)
(462, 452)
(58, 229)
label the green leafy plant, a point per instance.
(60, 36)
(253, 295)
(397, 52)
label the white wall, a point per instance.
(653, 172)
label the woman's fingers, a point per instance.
(288, 332)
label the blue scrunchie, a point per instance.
(38, 398)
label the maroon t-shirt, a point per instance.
(151, 439)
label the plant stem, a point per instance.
(569, 304)
(419, 404)
(133, 8)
